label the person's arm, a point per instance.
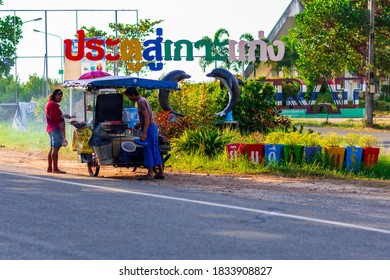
(146, 125)
(62, 130)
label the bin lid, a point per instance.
(128, 146)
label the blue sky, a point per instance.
(182, 20)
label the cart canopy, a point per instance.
(119, 82)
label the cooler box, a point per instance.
(130, 116)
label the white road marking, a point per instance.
(270, 213)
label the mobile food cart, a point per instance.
(105, 134)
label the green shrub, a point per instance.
(367, 140)
(351, 139)
(275, 137)
(385, 93)
(332, 139)
(312, 139)
(204, 141)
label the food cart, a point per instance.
(105, 135)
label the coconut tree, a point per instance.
(219, 46)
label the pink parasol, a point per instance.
(94, 74)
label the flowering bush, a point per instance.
(172, 126)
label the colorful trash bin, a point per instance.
(353, 158)
(255, 153)
(370, 156)
(234, 150)
(273, 153)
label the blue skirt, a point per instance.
(152, 156)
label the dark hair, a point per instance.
(55, 93)
(131, 91)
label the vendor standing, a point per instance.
(56, 129)
(149, 128)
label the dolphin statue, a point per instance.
(163, 94)
(229, 81)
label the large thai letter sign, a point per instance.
(156, 50)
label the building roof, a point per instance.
(282, 26)
(286, 21)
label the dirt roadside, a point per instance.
(252, 186)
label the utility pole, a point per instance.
(370, 85)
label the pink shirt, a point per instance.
(53, 116)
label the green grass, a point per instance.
(242, 166)
(34, 139)
(346, 124)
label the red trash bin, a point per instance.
(234, 150)
(370, 156)
(255, 153)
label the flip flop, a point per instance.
(145, 178)
(158, 176)
(59, 171)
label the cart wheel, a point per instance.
(93, 167)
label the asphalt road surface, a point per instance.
(81, 218)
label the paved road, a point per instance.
(76, 217)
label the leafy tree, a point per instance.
(219, 49)
(10, 36)
(333, 35)
(329, 38)
(7, 89)
(140, 31)
(33, 88)
(257, 108)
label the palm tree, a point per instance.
(287, 64)
(237, 65)
(219, 49)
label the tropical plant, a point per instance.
(253, 138)
(332, 139)
(367, 140)
(290, 57)
(351, 139)
(294, 138)
(219, 45)
(257, 109)
(204, 141)
(275, 137)
(237, 65)
(312, 139)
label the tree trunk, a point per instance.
(369, 107)
(370, 89)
